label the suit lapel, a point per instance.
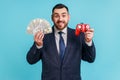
(68, 46)
(53, 47)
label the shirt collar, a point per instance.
(64, 30)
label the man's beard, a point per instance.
(58, 26)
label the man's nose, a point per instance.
(60, 18)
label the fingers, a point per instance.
(38, 38)
(89, 35)
(90, 30)
(39, 35)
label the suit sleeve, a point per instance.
(34, 54)
(88, 52)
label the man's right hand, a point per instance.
(38, 38)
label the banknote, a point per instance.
(39, 24)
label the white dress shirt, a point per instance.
(57, 36)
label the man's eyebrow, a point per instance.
(62, 13)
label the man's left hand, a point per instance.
(89, 35)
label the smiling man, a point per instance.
(61, 51)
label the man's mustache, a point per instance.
(60, 21)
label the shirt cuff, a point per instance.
(89, 43)
(39, 46)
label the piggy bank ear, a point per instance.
(87, 26)
(77, 30)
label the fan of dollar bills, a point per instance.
(39, 25)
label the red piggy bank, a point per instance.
(81, 28)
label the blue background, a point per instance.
(102, 15)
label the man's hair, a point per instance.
(59, 6)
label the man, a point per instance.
(58, 63)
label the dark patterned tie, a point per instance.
(61, 45)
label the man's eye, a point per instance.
(63, 15)
(56, 16)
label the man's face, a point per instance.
(60, 18)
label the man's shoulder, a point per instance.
(69, 28)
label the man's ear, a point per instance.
(68, 16)
(52, 17)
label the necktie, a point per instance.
(61, 45)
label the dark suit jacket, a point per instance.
(69, 69)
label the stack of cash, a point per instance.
(39, 25)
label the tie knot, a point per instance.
(60, 33)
